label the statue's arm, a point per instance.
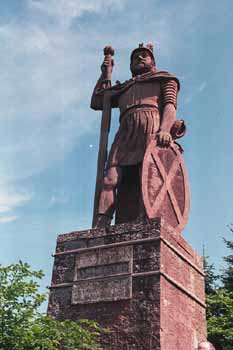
(98, 93)
(169, 102)
(103, 83)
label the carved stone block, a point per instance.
(108, 289)
(142, 281)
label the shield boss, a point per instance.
(165, 188)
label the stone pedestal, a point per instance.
(142, 281)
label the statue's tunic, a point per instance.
(141, 101)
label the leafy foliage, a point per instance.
(220, 319)
(210, 276)
(22, 327)
(220, 302)
(227, 278)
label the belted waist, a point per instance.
(136, 108)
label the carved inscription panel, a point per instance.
(108, 289)
(103, 275)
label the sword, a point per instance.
(103, 143)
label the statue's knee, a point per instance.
(110, 182)
(112, 178)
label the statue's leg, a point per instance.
(107, 200)
(141, 208)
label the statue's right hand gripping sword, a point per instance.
(104, 131)
(108, 54)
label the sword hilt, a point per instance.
(109, 51)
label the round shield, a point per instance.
(165, 188)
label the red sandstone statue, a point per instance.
(144, 173)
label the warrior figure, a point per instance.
(147, 104)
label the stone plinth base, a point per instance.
(142, 281)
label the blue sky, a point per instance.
(50, 55)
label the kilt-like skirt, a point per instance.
(137, 129)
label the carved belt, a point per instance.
(136, 108)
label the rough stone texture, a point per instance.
(142, 280)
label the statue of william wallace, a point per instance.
(144, 173)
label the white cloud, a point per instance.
(7, 219)
(9, 201)
(196, 91)
(202, 86)
(4, 209)
(66, 10)
(59, 198)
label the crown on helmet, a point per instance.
(149, 48)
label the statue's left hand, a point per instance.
(164, 138)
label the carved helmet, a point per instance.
(149, 48)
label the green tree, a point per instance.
(211, 278)
(23, 327)
(220, 302)
(220, 319)
(227, 278)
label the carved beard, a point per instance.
(141, 69)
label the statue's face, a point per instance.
(142, 62)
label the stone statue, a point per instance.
(144, 173)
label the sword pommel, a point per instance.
(108, 50)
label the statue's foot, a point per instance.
(141, 218)
(103, 221)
